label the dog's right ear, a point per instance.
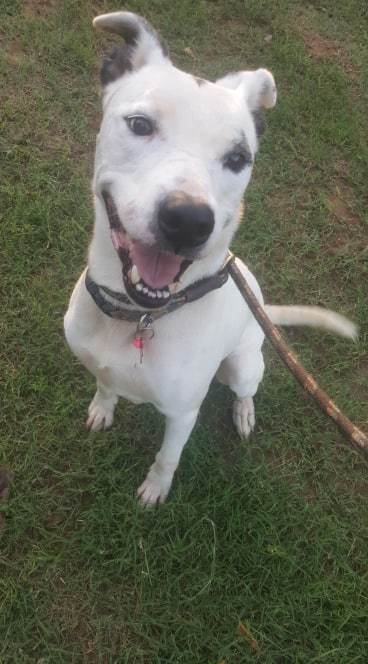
(259, 90)
(142, 45)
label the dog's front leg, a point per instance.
(157, 484)
(101, 408)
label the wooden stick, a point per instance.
(356, 437)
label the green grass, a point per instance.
(272, 533)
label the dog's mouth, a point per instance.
(151, 276)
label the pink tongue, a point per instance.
(156, 268)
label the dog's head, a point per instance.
(174, 156)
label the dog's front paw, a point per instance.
(154, 489)
(244, 416)
(100, 413)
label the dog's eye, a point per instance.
(235, 161)
(140, 125)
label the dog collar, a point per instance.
(118, 305)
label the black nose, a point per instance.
(184, 221)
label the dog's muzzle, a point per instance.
(151, 275)
(185, 222)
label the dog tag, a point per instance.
(143, 333)
(138, 343)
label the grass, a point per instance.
(260, 555)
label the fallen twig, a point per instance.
(356, 437)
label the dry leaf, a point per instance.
(250, 639)
(188, 51)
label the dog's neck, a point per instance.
(105, 266)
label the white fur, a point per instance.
(216, 334)
(258, 87)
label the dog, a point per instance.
(155, 316)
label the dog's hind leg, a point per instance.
(157, 484)
(242, 371)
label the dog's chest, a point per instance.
(174, 366)
(178, 363)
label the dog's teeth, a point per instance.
(145, 289)
(118, 238)
(152, 294)
(115, 239)
(173, 287)
(139, 287)
(134, 275)
(159, 293)
(166, 293)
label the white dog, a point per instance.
(154, 316)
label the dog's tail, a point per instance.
(312, 317)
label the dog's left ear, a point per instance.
(258, 88)
(142, 45)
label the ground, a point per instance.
(260, 555)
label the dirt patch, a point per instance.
(339, 205)
(287, 205)
(32, 8)
(13, 52)
(322, 48)
(347, 224)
